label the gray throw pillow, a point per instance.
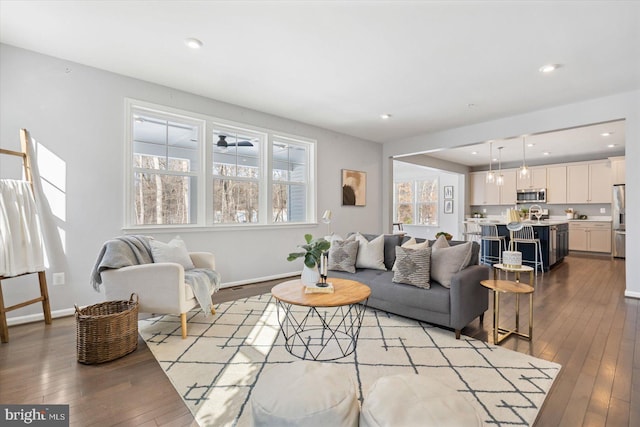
(447, 261)
(412, 267)
(342, 255)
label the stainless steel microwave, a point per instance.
(532, 196)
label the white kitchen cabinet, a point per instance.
(509, 188)
(596, 176)
(535, 179)
(491, 194)
(481, 192)
(556, 184)
(591, 236)
(618, 170)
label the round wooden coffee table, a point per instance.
(502, 287)
(321, 327)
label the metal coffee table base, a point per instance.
(321, 333)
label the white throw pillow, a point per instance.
(174, 251)
(370, 254)
(448, 260)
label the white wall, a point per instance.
(77, 113)
(451, 223)
(614, 107)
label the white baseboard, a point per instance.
(260, 279)
(631, 294)
(30, 318)
(19, 320)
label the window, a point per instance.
(252, 176)
(290, 180)
(416, 202)
(166, 160)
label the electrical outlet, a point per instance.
(58, 279)
(603, 210)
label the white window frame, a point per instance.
(205, 212)
(414, 201)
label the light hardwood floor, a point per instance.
(581, 320)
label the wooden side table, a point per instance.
(506, 286)
(516, 270)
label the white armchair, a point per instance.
(160, 286)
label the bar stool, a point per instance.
(490, 235)
(472, 232)
(526, 235)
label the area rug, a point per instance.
(216, 367)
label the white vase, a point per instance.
(309, 276)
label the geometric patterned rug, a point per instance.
(215, 368)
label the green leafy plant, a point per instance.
(446, 235)
(312, 250)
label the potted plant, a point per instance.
(312, 253)
(445, 234)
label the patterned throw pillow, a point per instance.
(412, 267)
(342, 255)
(412, 244)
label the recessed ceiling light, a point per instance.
(606, 134)
(546, 153)
(531, 144)
(474, 152)
(612, 145)
(385, 116)
(193, 43)
(548, 68)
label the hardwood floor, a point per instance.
(581, 320)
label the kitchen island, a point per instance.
(553, 235)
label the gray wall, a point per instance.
(77, 112)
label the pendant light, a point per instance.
(524, 170)
(500, 177)
(491, 175)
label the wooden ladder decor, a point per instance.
(44, 294)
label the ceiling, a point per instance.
(339, 65)
(596, 141)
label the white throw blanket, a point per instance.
(21, 249)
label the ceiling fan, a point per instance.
(222, 142)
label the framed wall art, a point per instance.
(448, 191)
(448, 206)
(354, 188)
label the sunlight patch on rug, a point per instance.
(216, 367)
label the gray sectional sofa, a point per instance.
(453, 307)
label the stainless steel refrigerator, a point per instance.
(618, 213)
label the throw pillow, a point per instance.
(412, 244)
(412, 267)
(441, 242)
(174, 251)
(342, 255)
(447, 261)
(370, 253)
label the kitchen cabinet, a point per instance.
(591, 236)
(481, 192)
(535, 179)
(597, 176)
(508, 190)
(618, 170)
(557, 184)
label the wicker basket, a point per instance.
(107, 331)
